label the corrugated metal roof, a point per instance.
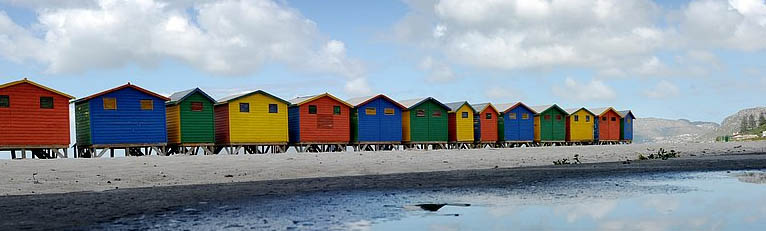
(542, 108)
(177, 97)
(226, 99)
(128, 85)
(358, 101)
(305, 99)
(25, 80)
(624, 113)
(573, 110)
(454, 106)
(410, 103)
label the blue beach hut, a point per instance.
(626, 126)
(123, 117)
(376, 119)
(517, 123)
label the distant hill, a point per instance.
(655, 130)
(731, 124)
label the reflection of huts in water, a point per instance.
(190, 122)
(626, 126)
(126, 117)
(485, 124)
(35, 118)
(550, 124)
(579, 126)
(516, 125)
(460, 124)
(376, 123)
(253, 122)
(424, 123)
(319, 123)
(752, 177)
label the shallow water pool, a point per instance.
(674, 201)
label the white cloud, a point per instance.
(437, 71)
(357, 87)
(504, 93)
(612, 37)
(594, 90)
(228, 37)
(663, 90)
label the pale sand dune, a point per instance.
(74, 175)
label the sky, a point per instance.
(698, 59)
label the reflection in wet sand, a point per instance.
(752, 177)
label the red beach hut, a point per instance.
(34, 117)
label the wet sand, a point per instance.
(76, 209)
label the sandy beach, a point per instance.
(23, 177)
(70, 193)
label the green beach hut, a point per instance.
(424, 121)
(190, 121)
(550, 123)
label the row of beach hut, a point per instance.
(36, 118)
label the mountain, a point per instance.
(731, 124)
(655, 130)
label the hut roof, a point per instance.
(177, 97)
(625, 113)
(542, 108)
(305, 99)
(230, 98)
(602, 110)
(571, 111)
(454, 106)
(25, 80)
(510, 106)
(411, 103)
(128, 85)
(482, 106)
(359, 101)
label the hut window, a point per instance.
(436, 114)
(547, 117)
(489, 116)
(465, 114)
(558, 117)
(5, 101)
(420, 113)
(244, 107)
(336, 110)
(110, 104)
(46, 102)
(603, 118)
(525, 116)
(312, 109)
(370, 111)
(273, 108)
(389, 111)
(614, 118)
(576, 118)
(512, 116)
(147, 104)
(587, 118)
(628, 121)
(197, 106)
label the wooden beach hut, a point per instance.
(516, 126)
(607, 126)
(319, 123)
(460, 122)
(424, 124)
(126, 117)
(375, 123)
(550, 125)
(485, 124)
(190, 122)
(251, 123)
(626, 126)
(580, 126)
(34, 117)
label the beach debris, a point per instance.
(627, 161)
(661, 154)
(565, 161)
(228, 175)
(445, 161)
(436, 207)
(738, 146)
(35, 179)
(108, 182)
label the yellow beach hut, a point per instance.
(460, 118)
(254, 122)
(580, 124)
